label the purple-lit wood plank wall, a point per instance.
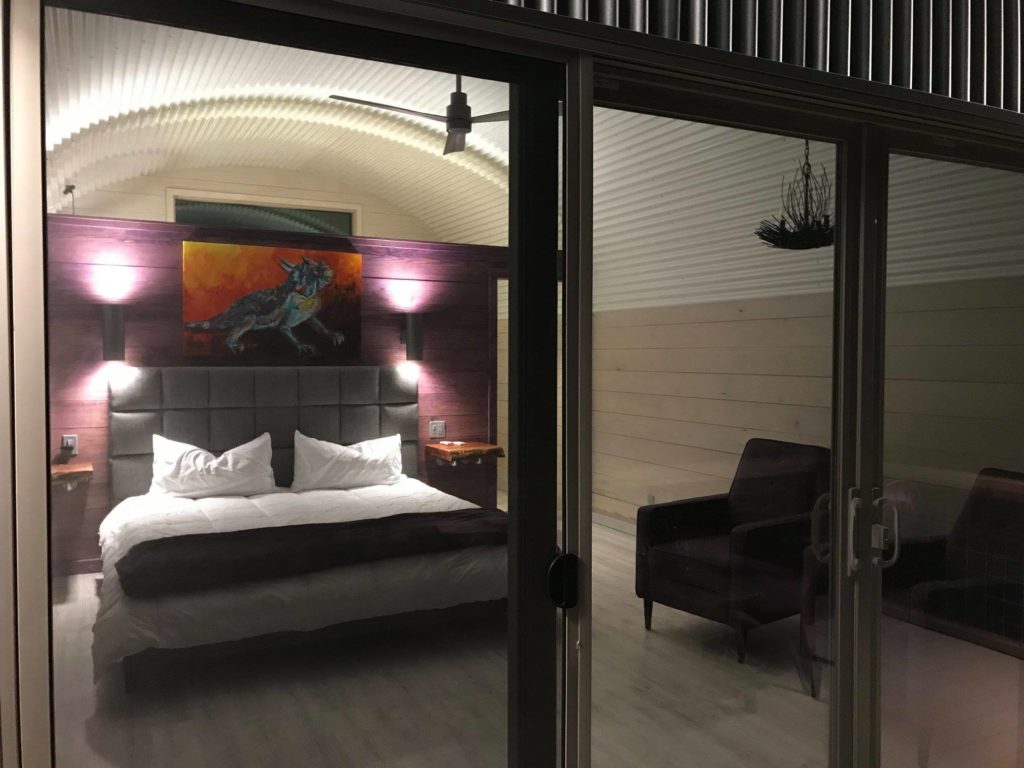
(450, 284)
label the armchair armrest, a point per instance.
(661, 523)
(920, 560)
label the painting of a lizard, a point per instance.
(306, 284)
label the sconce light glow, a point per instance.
(404, 295)
(121, 374)
(110, 372)
(112, 282)
(409, 371)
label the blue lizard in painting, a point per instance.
(295, 301)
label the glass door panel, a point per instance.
(433, 646)
(952, 628)
(712, 437)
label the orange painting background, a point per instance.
(215, 275)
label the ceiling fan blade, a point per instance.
(349, 99)
(456, 142)
(491, 117)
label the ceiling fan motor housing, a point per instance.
(460, 115)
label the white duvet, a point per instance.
(126, 625)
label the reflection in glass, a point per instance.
(953, 629)
(711, 446)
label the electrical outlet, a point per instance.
(69, 444)
(437, 429)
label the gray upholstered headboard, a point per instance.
(219, 408)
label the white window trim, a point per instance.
(173, 194)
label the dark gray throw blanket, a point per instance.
(195, 562)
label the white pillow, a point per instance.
(180, 469)
(320, 464)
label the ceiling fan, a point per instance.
(458, 121)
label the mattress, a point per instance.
(125, 626)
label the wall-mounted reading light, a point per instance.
(412, 336)
(113, 331)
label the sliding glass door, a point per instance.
(712, 444)
(719, 432)
(951, 634)
(150, 346)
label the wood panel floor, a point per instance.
(674, 697)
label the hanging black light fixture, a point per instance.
(806, 220)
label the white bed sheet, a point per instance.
(439, 580)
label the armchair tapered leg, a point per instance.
(648, 611)
(741, 643)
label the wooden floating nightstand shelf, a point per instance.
(454, 452)
(71, 474)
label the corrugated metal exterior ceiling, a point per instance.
(964, 49)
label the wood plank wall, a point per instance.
(679, 390)
(449, 284)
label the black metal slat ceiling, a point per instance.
(964, 49)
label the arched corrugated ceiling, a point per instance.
(125, 99)
(676, 203)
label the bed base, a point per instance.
(146, 668)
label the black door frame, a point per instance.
(536, 87)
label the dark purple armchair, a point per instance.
(969, 584)
(736, 558)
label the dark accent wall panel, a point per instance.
(978, 37)
(921, 73)
(794, 32)
(1012, 38)
(744, 27)
(860, 39)
(450, 285)
(902, 42)
(942, 46)
(769, 29)
(960, 79)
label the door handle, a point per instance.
(822, 549)
(882, 535)
(853, 502)
(563, 580)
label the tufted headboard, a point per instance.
(219, 408)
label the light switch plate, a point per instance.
(69, 444)
(437, 429)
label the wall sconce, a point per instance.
(113, 331)
(412, 336)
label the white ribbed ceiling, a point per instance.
(126, 99)
(676, 203)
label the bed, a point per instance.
(290, 562)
